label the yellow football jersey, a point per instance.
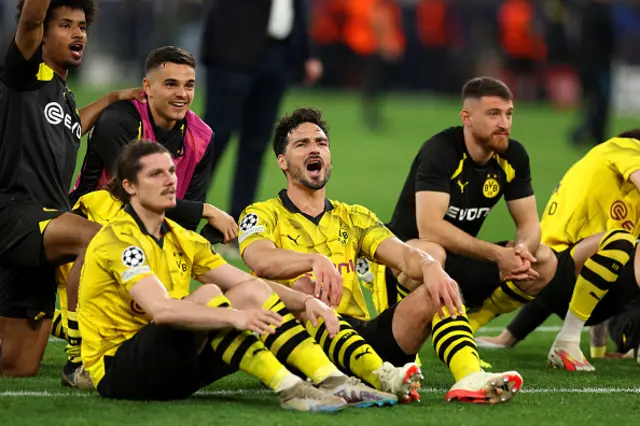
(343, 233)
(120, 255)
(594, 195)
(99, 207)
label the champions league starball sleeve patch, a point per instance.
(134, 260)
(249, 225)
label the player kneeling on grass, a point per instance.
(146, 337)
(301, 235)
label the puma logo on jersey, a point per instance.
(292, 239)
(462, 185)
(469, 214)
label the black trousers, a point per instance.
(247, 104)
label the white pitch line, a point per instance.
(232, 392)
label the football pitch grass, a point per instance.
(369, 169)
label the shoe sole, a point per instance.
(496, 391)
(318, 408)
(564, 361)
(380, 403)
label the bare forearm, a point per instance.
(529, 236)
(280, 264)
(34, 12)
(413, 262)
(189, 316)
(90, 113)
(459, 242)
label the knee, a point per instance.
(250, 294)
(304, 285)
(546, 263)
(204, 294)
(17, 367)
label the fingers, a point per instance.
(336, 290)
(457, 298)
(332, 323)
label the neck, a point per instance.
(151, 220)
(477, 151)
(309, 201)
(61, 71)
(160, 121)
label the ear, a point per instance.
(146, 85)
(465, 116)
(129, 186)
(282, 163)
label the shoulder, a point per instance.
(516, 151)
(270, 206)
(121, 111)
(121, 230)
(449, 142)
(196, 123)
(353, 212)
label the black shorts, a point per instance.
(477, 279)
(22, 224)
(378, 333)
(624, 328)
(160, 363)
(27, 293)
(556, 296)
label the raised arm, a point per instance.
(31, 26)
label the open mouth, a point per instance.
(76, 49)
(314, 166)
(178, 104)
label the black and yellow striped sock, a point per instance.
(402, 291)
(58, 325)
(244, 351)
(349, 351)
(293, 345)
(506, 298)
(454, 344)
(74, 339)
(601, 271)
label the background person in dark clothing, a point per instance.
(253, 49)
(594, 56)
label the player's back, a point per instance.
(594, 195)
(341, 233)
(40, 132)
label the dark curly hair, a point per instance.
(90, 8)
(289, 122)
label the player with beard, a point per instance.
(40, 131)
(458, 176)
(304, 240)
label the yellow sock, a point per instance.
(454, 344)
(74, 339)
(601, 271)
(349, 351)
(506, 298)
(243, 350)
(59, 325)
(293, 345)
(402, 291)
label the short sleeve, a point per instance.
(435, 164)
(520, 185)
(206, 258)
(257, 222)
(370, 230)
(123, 258)
(625, 158)
(23, 74)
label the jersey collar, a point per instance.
(288, 204)
(164, 229)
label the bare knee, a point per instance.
(250, 294)
(545, 266)
(304, 285)
(16, 367)
(204, 294)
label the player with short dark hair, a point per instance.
(146, 336)
(455, 180)
(304, 240)
(40, 131)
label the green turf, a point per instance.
(369, 168)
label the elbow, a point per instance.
(261, 268)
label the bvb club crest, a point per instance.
(343, 236)
(491, 187)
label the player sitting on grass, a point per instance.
(301, 236)
(599, 192)
(147, 337)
